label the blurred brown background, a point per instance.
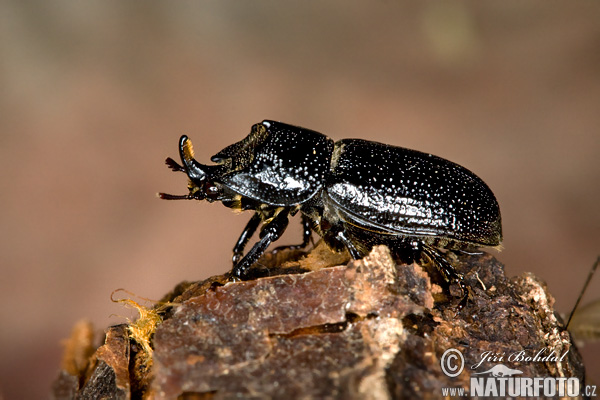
(94, 95)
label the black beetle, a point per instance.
(354, 193)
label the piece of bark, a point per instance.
(78, 350)
(106, 373)
(373, 328)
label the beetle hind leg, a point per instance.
(447, 271)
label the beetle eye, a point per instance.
(211, 191)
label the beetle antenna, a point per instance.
(174, 165)
(166, 196)
(587, 282)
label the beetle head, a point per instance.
(202, 183)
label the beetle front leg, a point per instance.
(238, 249)
(269, 233)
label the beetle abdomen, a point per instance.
(393, 190)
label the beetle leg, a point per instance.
(340, 235)
(238, 249)
(306, 232)
(447, 271)
(269, 233)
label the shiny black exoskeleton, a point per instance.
(353, 193)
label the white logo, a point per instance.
(499, 371)
(452, 363)
(502, 381)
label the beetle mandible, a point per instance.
(354, 193)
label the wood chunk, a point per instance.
(370, 329)
(78, 348)
(107, 374)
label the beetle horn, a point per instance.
(193, 168)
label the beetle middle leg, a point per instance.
(269, 233)
(338, 239)
(306, 234)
